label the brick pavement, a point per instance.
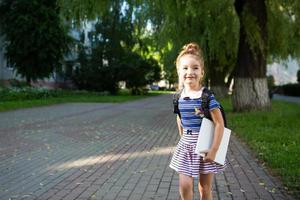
(110, 151)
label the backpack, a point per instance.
(206, 94)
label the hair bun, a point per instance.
(191, 48)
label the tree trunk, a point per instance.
(253, 93)
(219, 90)
(217, 84)
(28, 80)
(250, 84)
(216, 76)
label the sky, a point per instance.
(282, 73)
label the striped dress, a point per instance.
(185, 160)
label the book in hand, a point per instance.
(205, 141)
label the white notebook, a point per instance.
(205, 140)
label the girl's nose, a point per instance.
(189, 70)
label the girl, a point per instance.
(190, 69)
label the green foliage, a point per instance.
(18, 84)
(112, 59)
(35, 37)
(214, 26)
(283, 29)
(290, 89)
(274, 136)
(80, 11)
(99, 72)
(26, 93)
(253, 33)
(173, 23)
(94, 76)
(138, 72)
(271, 81)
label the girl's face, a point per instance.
(190, 71)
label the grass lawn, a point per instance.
(274, 137)
(68, 97)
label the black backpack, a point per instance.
(206, 94)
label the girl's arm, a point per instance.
(179, 126)
(218, 134)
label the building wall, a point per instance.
(6, 72)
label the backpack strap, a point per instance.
(205, 97)
(176, 97)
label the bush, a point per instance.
(18, 84)
(27, 93)
(289, 89)
(271, 81)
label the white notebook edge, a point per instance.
(205, 139)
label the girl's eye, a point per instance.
(185, 68)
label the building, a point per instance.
(6, 72)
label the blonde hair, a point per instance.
(190, 49)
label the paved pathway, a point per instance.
(110, 151)
(286, 98)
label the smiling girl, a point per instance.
(189, 165)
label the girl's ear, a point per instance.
(202, 77)
(202, 74)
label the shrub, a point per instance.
(18, 84)
(289, 89)
(271, 82)
(27, 93)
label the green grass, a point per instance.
(69, 97)
(162, 92)
(274, 137)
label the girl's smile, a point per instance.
(189, 77)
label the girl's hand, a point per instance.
(210, 155)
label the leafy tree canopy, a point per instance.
(213, 24)
(35, 37)
(112, 59)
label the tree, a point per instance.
(36, 39)
(112, 59)
(110, 38)
(271, 84)
(137, 72)
(250, 84)
(266, 27)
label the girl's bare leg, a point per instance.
(205, 186)
(186, 187)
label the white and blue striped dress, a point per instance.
(185, 160)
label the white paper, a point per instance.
(205, 140)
